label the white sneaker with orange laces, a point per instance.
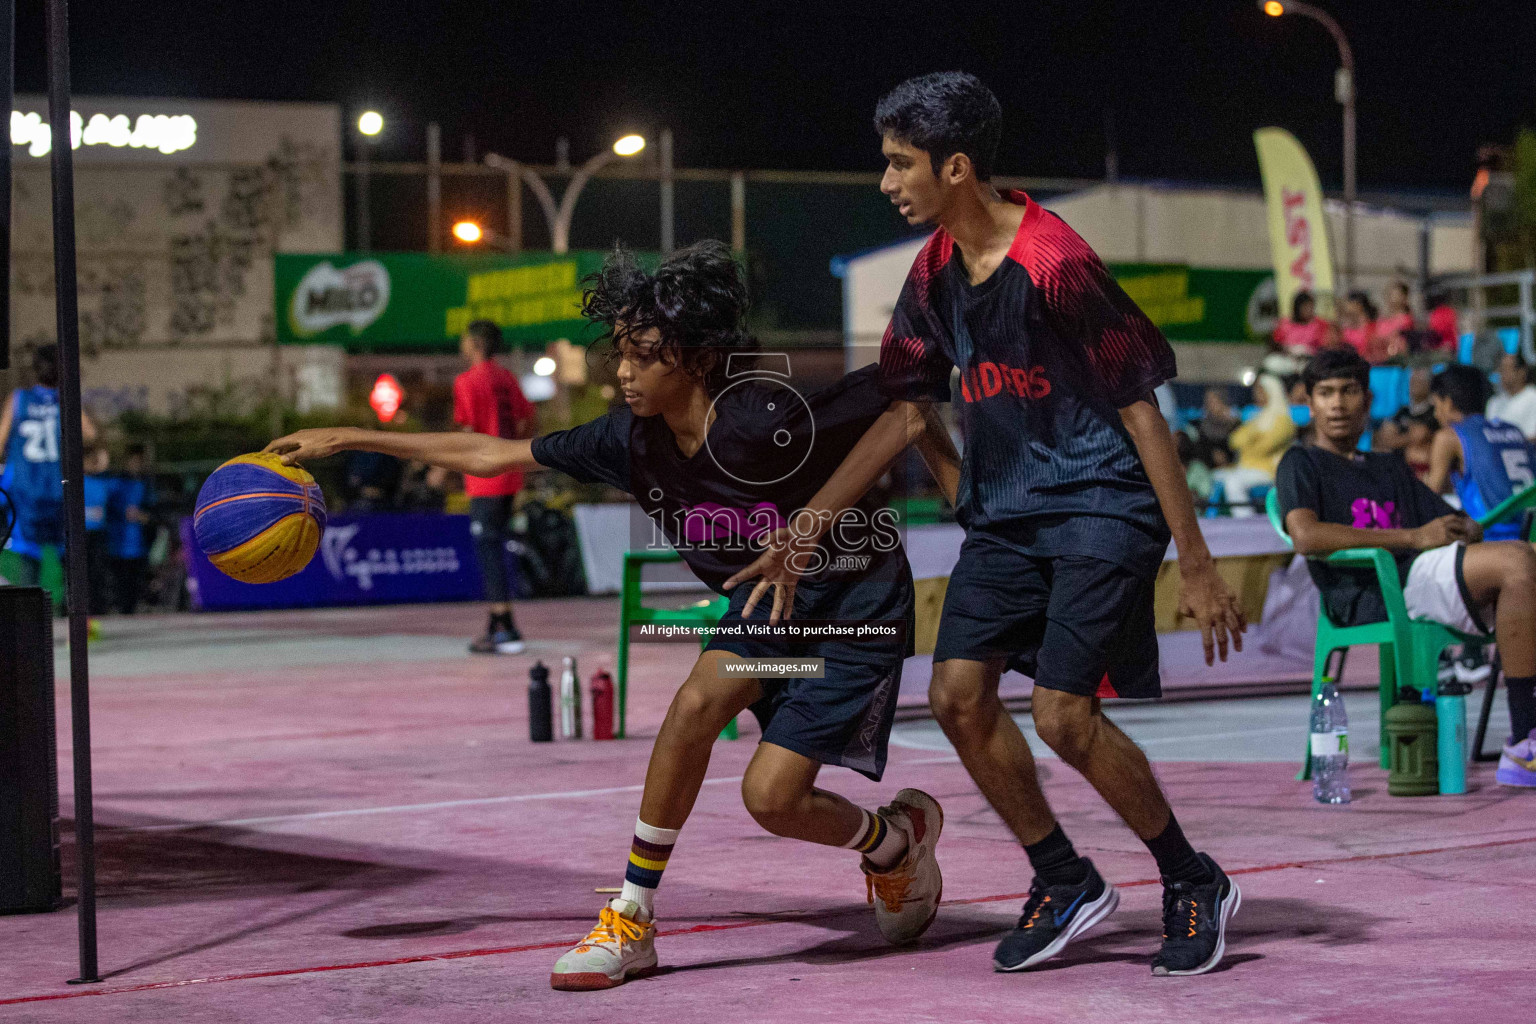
(622, 946)
(906, 897)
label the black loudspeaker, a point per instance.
(30, 877)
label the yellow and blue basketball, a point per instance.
(258, 520)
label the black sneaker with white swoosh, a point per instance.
(1053, 916)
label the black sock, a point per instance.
(500, 620)
(1522, 705)
(1176, 859)
(1055, 861)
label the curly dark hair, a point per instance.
(944, 113)
(696, 300)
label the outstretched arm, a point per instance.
(470, 454)
(1203, 594)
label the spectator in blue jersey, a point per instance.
(128, 525)
(1333, 497)
(1483, 460)
(97, 488)
(30, 439)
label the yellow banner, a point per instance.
(1298, 235)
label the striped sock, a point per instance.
(880, 844)
(647, 860)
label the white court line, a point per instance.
(406, 808)
(914, 743)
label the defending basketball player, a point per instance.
(1069, 490)
(717, 466)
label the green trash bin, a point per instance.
(1413, 767)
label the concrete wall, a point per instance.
(174, 248)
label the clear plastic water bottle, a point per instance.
(1330, 747)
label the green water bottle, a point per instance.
(1413, 765)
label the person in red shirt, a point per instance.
(1393, 329)
(1305, 334)
(1357, 326)
(487, 400)
(1442, 321)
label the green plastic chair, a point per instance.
(633, 612)
(1409, 649)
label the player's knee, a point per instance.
(1067, 728)
(701, 707)
(1520, 572)
(771, 804)
(955, 702)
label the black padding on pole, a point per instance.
(8, 94)
(74, 491)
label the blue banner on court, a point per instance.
(369, 559)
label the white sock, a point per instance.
(881, 844)
(648, 857)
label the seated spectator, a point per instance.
(1305, 334)
(1485, 460)
(1197, 467)
(1515, 403)
(1259, 443)
(97, 486)
(1441, 321)
(128, 530)
(1219, 419)
(1395, 327)
(1418, 441)
(1334, 497)
(1357, 327)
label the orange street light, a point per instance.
(468, 231)
(1274, 8)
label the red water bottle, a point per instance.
(601, 688)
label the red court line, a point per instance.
(695, 929)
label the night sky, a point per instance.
(794, 85)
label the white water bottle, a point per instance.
(570, 700)
(1330, 747)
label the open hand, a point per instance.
(1205, 597)
(773, 569)
(314, 443)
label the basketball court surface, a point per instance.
(337, 815)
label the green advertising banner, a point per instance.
(401, 300)
(1201, 303)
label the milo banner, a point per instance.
(1201, 303)
(399, 300)
(1298, 236)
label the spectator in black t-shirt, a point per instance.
(1334, 497)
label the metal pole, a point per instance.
(514, 209)
(68, 315)
(364, 213)
(739, 213)
(1344, 85)
(667, 199)
(434, 187)
(8, 90)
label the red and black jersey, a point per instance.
(1049, 350)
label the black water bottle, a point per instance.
(541, 709)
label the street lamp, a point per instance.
(558, 216)
(468, 231)
(1344, 92)
(369, 124)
